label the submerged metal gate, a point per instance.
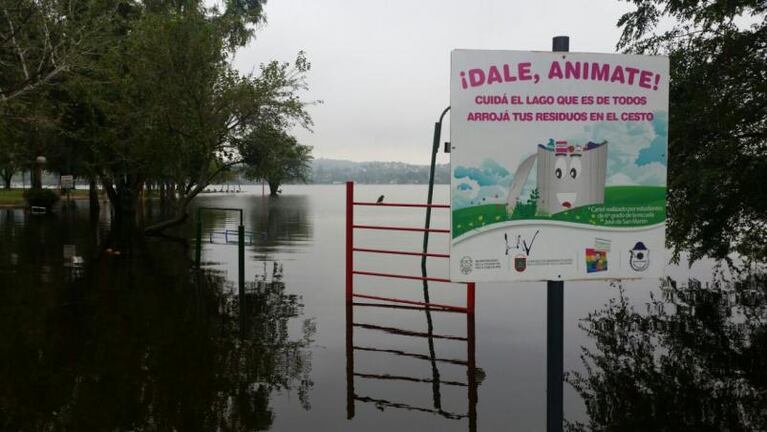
(427, 306)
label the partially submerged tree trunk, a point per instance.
(180, 217)
(123, 196)
(274, 188)
(181, 212)
(7, 176)
(37, 177)
(185, 196)
(161, 193)
(93, 196)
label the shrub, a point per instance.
(41, 197)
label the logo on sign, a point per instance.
(467, 265)
(639, 257)
(520, 263)
(596, 260)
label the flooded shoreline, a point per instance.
(143, 340)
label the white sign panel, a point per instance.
(67, 182)
(558, 165)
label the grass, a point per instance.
(608, 214)
(11, 196)
(15, 197)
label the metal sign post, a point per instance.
(430, 196)
(555, 326)
(67, 182)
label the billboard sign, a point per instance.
(558, 165)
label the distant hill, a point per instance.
(326, 171)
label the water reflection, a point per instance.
(283, 221)
(272, 226)
(474, 375)
(691, 361)
(46, 248)
(265, 311)
(138, 341)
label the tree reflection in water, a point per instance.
(694, 360)
(140, 342)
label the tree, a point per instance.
(161, 96)
(153, 99)
(206, 139)
(40, 40)
(717, 203)
(271, 154)
(11, 154)
(25, 132)
(170, 107)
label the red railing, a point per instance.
(350, 250)
(471, 383)
(399, 303)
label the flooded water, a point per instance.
(98, 334)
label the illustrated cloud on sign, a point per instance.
(485, 184)
(489, 173)
(656, 152)
(637, 153)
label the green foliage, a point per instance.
(717, 202)
(41, 197)
(36, 45)
(272, 154)
(525, 210)
(692, 361)
(529, 208)
(149, 93)
(11, 154)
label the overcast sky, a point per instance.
(382, 67)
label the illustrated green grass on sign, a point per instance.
(624, 206)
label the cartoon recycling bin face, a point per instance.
(568, 176)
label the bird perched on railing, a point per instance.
(380, 199)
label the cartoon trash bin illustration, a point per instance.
(568, 176)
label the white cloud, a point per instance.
(619, 179)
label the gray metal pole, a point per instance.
(426, 297)
(241, 259)
(555, 326)
(560, 44)
(554, 355)
(434, 150)
(198, 240)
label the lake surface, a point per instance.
(129, 336)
